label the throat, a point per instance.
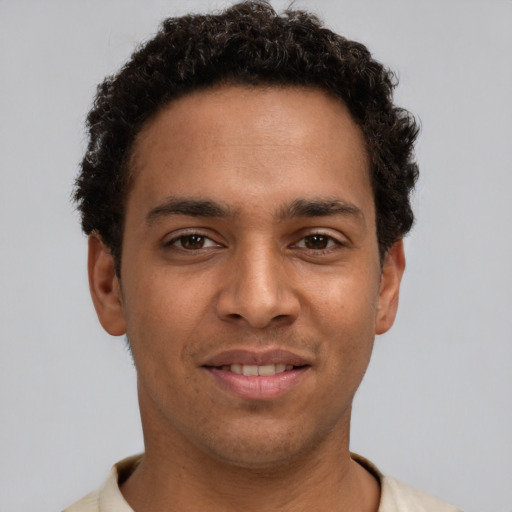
(225, 488)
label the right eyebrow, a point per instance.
(187, 206)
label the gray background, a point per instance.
(435, 407)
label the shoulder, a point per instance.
(89, 503)
(109, 498)
(397, 497)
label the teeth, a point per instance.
(249, 369)
(235, 368)
(252, 370)
(267, 370)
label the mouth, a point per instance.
(254, 375)
(253, 370)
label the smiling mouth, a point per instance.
(252, 370)
(252, 374)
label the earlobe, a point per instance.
(104, 287)
(391, 276)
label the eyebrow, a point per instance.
(210, 209)
(320, 208)
(189, 207)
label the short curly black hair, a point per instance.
(248, 43)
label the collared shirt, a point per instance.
(394, 497)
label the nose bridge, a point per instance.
(259, 276)
(259, 289)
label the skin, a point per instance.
(261, 276)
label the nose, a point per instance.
(259, 290)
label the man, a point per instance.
(245, 192)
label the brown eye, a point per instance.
(317, 241)
(191, 242)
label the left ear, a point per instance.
(392, 271)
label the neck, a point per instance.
(174, 474)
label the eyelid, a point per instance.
(337, 237)
(171, 238)
(330, 242)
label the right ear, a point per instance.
(104, 287)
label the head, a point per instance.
(247, 187)
(246, 44)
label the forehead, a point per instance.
(252, 140)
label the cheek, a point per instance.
(167, 317)
(345, 299)
(345, 314)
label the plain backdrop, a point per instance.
(435, 407)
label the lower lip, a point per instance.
(256, 387)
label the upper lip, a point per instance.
(256, 357)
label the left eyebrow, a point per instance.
(320, 208)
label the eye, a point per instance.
(192, 242)
(317, 242)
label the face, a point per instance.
(251, 288)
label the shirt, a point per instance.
(395, 496)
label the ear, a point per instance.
(104, 287)
(391, 276)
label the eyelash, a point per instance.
(180, 238)
(331, 242)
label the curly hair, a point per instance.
(247, 44)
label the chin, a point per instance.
(261, 446)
